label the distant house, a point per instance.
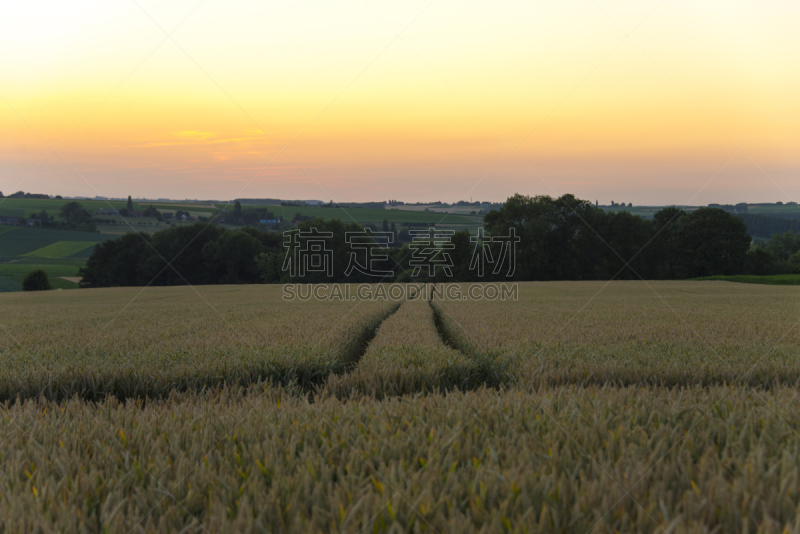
(33, 222)
(102, 211)
(269, 221)
(136, 213)
(11, 220)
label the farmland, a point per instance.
(580, 407)
(373, 216)
(58, 252)
(19, 244)
(24, 207)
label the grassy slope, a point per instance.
(775, 211)
(24, 240)
(9, 284)
(775, 279)
(368, 215)
(61, 249)
(24, 206)
(25, 249)
(14, 273)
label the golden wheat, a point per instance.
(217, 432)
(567, 460)
(661, 333)
(407, 356)
(134, 342)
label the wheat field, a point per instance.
(580, 407)
(636, 333)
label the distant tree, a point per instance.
(115, 262)
(385, 226)
(270, 266)
(713, 242)
(761, 262)
(765, 227)
(75, 216)
(150, 211)
(36, 280)
(665, 246)
(58, 197)
(557, 237)
(1, 194)
(232, 257)
(626, 235)
(129, 206)
(237, 210)
(124, 212)
(782, 246)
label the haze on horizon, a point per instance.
(412, 101)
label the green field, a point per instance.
(58, 252)
(776, 211)
(774, 279)
(22, 241)
(577, 407)
(25, 206)
(14, 272)
(9, 284)
(647, 212)
(61, 249)
(373, 216)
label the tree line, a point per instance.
(563, 238)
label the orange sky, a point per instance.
(656, 117)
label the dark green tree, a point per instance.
(117, 262)
(232, 257)
(665, 247)
(237, 210)
(150, 211)
(558, 239)
(713, 242)
(129, 206)
(75, 216)
(36, 280)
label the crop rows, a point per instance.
(128, 344)
(632, 333)
(408, 356)
(570, 460)
(609, 409)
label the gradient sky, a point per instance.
(698, 104)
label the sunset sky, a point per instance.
(698, 104)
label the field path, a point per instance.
(408, 355)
